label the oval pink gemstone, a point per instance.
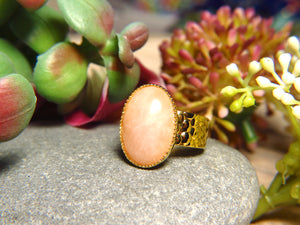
(148, 126)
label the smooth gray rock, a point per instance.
(58, 174)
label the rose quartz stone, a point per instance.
(148, 126)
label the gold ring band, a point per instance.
(192, 130)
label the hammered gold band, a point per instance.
(192, 130)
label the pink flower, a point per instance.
(194, 60)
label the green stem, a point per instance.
(248, 131)
(294, 122)
(205, 100)
(264, 204)
(277, 195)
(262, 207)
(247, 79)
(90, 52)
(276, 184)
(278, 79)
(240, 80)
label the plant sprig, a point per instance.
(284, 87)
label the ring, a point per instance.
(151, 125)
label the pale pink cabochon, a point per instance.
(148, 126)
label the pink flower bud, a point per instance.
(196, 82)
(137, 34)
(32, 4)
(17, 100)
(184, 54)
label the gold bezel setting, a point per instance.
(165, 156)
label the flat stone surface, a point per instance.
(58, 174)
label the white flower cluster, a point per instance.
(281, 89)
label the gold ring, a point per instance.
(151, 125)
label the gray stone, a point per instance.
(58, 174)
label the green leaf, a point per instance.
(122, 80)
(60, 73)
(125, 54)
(41, 29)
(93, 91)
(20, 62)
(93, 19)
(7, 66)
(7, 8)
